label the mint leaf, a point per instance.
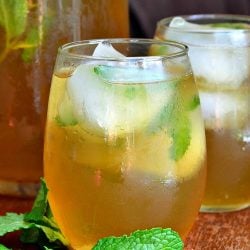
(180, 132)
(12, 222)
(42, 218)
(195, 102)
(13, 17)
(65, 116)
(52, 234)
(30, 44)
(118, 74)
(153, 239)
(2, 247)
(173, 119)
(40, 205)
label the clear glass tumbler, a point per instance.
(219, 50)
(125, 141)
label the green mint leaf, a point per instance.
(40, 205)
(42, 217)
(13, 17)
(117, 74)
(180, 132)
(12, 222)
(44, 237)
(174, 120)
(53, 235)
(30, 44)
(153, 239)
(2, 247)
(195, 102)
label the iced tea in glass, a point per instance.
(125, 142)
(219, 50)
(30, 33)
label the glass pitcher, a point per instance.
(30, 33)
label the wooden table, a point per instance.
(229, 231)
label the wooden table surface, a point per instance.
(230, 231)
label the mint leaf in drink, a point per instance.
(194, 103)
(13, 17)
(118, 74)
(180, 132)
(173, 119)
(65, 115)
(12, 222)
(153, 239)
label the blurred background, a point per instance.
(144, 14)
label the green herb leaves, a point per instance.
(37, 226)
(13, 19)
(153, 239)
(12, 222)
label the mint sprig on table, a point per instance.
(38, 227)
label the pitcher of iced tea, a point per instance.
(30, 33)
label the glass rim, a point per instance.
(163, 23)
(64, 49)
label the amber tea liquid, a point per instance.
(115, 184)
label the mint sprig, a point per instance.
(153, 239)
(38, 227)
(13, 19)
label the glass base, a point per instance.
(223, 208)
(18, 189)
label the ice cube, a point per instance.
(105, 107)
(220, 65)
(224, 110)
(105, 49)
(219, 57)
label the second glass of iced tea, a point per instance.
(124, 145)
(219, 50)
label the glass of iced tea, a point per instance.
(219, 50)
(125, 142)
(30, 33)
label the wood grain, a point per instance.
(230, 231)
(211, 231)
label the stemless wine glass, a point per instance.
(125, 142)
(219, 50)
